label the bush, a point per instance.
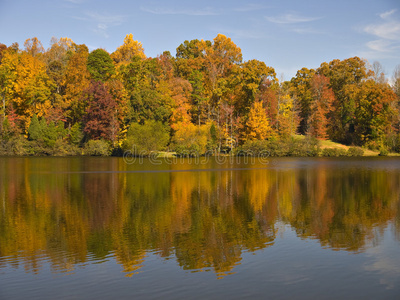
(355, 151)
(392, 142)
(287, 147)
(308, 146)
(254, 148)
(97, 148)
(191, 140)
(383, 151)
(16, 145)
(144, 139)
(62, 148)
(333, 152)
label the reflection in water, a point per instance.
(205, 220)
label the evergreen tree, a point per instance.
(35, 129)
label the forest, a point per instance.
(67, 100)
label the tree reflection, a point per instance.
(204, 220)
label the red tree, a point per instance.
(323, 98)
(101, 120)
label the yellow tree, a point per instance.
(287, 117)
(258, 127)
(29, 87)
(56, 59)
(124, 53)
(77, 80)
(33, 46)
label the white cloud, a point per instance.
(389, 30)
(306, 30)
(291, 19)
(379, 45)
(106, 19)
(208, 11)
(386, 33)
(387, 14)
(102, 21)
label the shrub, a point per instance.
(191, 140)
(333, 152)
(62, 148)
(355, 151)
(308, 146)
(383, 151)
(392, 142)
(16, 145)
(286, 147)
(76, 134)
(143, 139)
(97, 148)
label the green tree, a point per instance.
(35, 130)
(76, 134)
(302, 93)
(143, 139)
(345, 78)
(100, 65)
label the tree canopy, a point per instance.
(205, 85)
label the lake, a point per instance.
(208, 228)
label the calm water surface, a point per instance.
(290, 228)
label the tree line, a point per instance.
(68, 100)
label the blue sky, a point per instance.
(286, 35)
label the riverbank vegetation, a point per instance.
(67, 100)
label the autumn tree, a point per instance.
(396, 81)
(374, 112)
(258, 127)
(56, 58)
(254, 74)
(301, 92)
(125, 52)
(25, 85)
(191, 140)
(100, 119)
(33, 47)
(320, 108)
(147, 90)
(287, 117)
(221, 63)
(77, 80)
(378, 72)
(345, 78)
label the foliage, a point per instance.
(191, 140)
(355, 151)
(283, 147)
(97, 148)
(35, 129)
(130, 48)
(383, 151)
(207, 97)
(257, 123)
(76, 134)
(100, 119)
(100, 65)
(333, 152)
(144, 139)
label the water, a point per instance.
(289, 228)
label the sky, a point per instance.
(287, 35)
